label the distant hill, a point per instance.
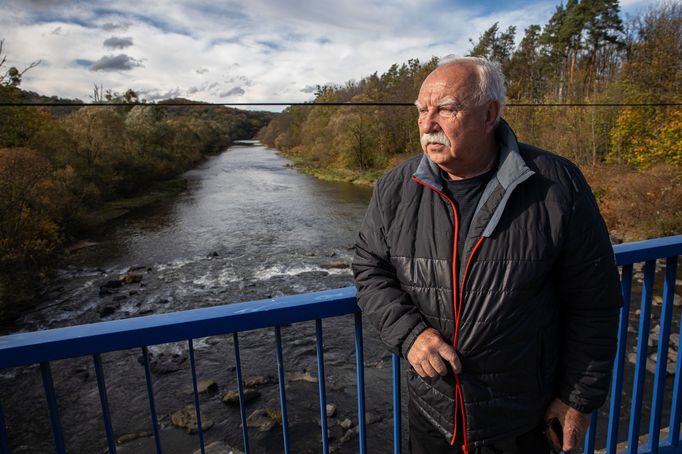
(240, 124)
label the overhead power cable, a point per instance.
(397, 104)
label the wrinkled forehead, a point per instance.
(456, 83)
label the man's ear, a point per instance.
(491, 116)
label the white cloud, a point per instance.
(272, 51)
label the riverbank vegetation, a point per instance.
(66, 170)
(585, 54)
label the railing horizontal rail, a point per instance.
(642, 251)
(53, 344)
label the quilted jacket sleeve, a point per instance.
(588, 285)
(387, 306)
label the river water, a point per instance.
(248, 227)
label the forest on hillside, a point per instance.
(585, 54)
(66, 170)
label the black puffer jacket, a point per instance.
(534, 314)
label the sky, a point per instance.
(241, 51)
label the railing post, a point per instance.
(619, 364)
(360, 369)
(197, 407)
(396, 404)
(150, 397)
(591, 434)
(240, 390)
(662, 353)
(101, 384)
(53, 407)
(640, 366)
(674, 436)
(321, 385)
(282, 385)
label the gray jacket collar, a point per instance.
(511, 171)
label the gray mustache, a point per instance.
(436, 137)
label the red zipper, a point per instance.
(457, 300)
(459, 399)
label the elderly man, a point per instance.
(486, 264)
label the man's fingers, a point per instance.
(437, 363)
(428, 353)
(570, 438)
(448, 353)
(428, 368)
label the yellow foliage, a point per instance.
(643, 137)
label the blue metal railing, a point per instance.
(42, 347)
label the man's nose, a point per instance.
(430, 123)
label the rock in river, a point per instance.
(219, 447)
(232, 396)
(186, 418)
(261, 420)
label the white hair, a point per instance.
(490, 79)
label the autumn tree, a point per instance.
(651, 74)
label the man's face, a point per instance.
(445, 109)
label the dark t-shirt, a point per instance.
(466, 195)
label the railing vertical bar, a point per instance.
(240, 388)
(150, 396)
(591, 434)
(640, 365)
(4, 440)
(282, 391)
(197, 407)
(106, 414)
(676, 410)
(662, 353)
(321, 383)
(360, 370)
(396, 403)
(619, 365)
(53, 407)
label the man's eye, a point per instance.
(446, 111)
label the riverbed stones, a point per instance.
(335, 265)
(162, 364)
(113, 283)
(126, 438)
(207, 387)
(232, 396)
(131, 277)
(186, 418)
(346, 424)
(218, 447)
(258, 380)
(261, 419)
(350, 433)
(107, 310)
(301, 376)
(331, 410)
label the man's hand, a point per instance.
(574, 424)
(427, 353)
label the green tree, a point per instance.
(495, 45)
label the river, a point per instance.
(249, 226)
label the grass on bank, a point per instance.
(120, 207)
